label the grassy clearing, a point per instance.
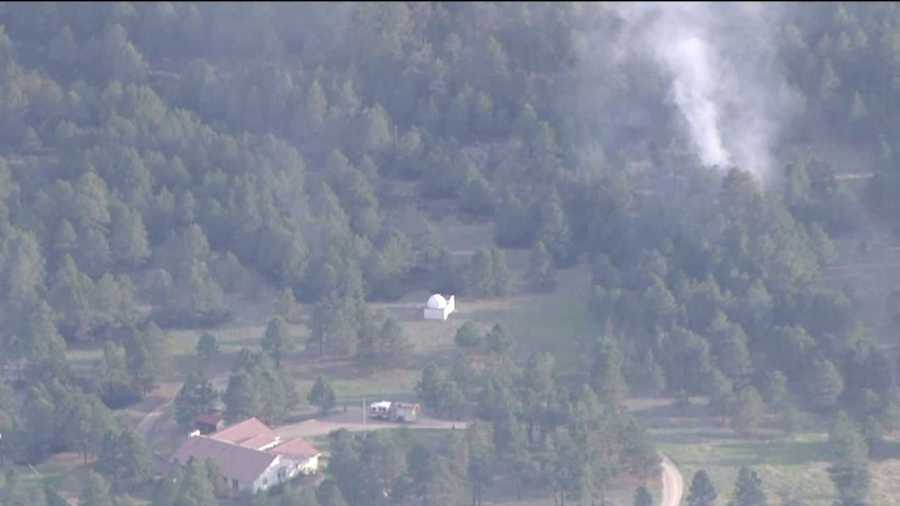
(352, 388)
(790, 467)
(796, 466)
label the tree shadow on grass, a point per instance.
(886, 450)
(781, 452)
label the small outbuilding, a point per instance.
(439, 308)
(209, 422)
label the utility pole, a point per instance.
(364, 410)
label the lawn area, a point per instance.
(794, 466)
(353, 387)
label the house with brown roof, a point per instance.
(251, 433)
(250, 456)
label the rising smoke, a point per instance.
(724, 75)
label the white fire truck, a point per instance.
(394, 411)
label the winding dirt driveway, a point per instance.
(672, 482)
(351, 420)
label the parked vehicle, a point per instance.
(394, 411)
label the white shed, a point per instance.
(439, 308)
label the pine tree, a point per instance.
(277, 339)
(554, 232)
(748, 412)
(128, 237)
(394, 346)
(607, 378)
(541, 272)
(196, 489)
(287, 305)
(196, 396)
(467, 336)
(124, 459)
(501, 273)
(207, 348)
(748, 489)
(480, 275)
(329, 494)
(825, 384)
(66, 240)
(88, 422)
(146, 352)
(642, 497)
(702, 492)
(322, 395)
(242, 400)
(71, 293)
(498, 340)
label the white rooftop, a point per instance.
(437, 301)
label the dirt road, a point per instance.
(352, 421)
(149, 421)
(673, 483)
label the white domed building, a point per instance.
(439, 308)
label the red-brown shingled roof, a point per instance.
(296, 448)
(250, 433)
(235, 462)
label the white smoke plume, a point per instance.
(724, 74)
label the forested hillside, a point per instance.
(160, 159)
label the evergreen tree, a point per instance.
(147, 355)
(70, 294)
(207, 348)
(66, 239)
(498, 340)
(748, 489)
(242, 399)
(825, 384)
(287, 305)
(847, 442)
(480, 274)
(277, 339)
(124, 459)
(322, 395)
(501, 273)
(394, 347)
(776, 389)
(88, 422)
(852, 482)
(128, 237)
(329, 494)
(748, 411)
(467, 336)
(642, 497)
(702, 492)
(114, 377)
(196, 397)
(541, 273)
(554, 232)
(606, 374)
(196, 489)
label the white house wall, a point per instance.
(310, 466)
(292, 468)
(270, 475)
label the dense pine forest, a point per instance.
(160, 162)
